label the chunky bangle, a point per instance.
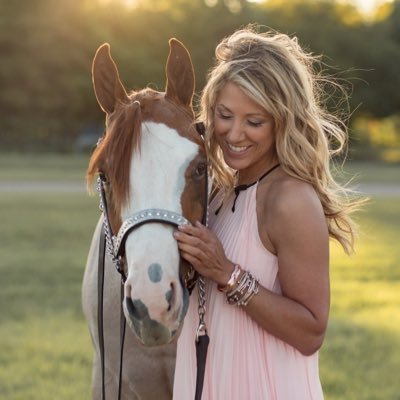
(246, 289)
(233, 280)
(237, 292)
(251, 292)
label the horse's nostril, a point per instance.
(170, 296)
(136, 308)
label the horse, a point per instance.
(151, 157)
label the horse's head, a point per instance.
(152, 158)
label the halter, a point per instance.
(114, 245)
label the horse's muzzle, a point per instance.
(147, 330)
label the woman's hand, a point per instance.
(201, 248)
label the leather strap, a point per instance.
(201, 356)
(240, 188)
(122, 342)
(100, 317)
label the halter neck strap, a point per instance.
(243, 187)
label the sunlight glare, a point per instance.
(129, 3)
(367, 7)
(126, 3)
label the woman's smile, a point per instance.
(238, 150)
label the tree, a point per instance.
(46, 96)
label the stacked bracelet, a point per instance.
(246, 289)
(233, 280)
(241, 287)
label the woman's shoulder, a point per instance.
(286, 195)
(286, 204)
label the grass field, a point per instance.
(46, 350)
(45, 346)
(361, 356)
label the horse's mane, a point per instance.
(112, 155)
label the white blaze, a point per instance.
(157, 171)
(156, 181)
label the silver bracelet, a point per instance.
(246, 289)
(251, 292)
(236, 294)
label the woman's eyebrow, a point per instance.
(220, 105)
(255, 114)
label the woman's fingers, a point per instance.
(193, 250)
(188, 240)
(197, 230)
(201, 238)
(196, 236)
(201, 247)
(188, 257)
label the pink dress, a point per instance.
(244, 362)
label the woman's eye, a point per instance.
(200, 170)
(255, 124)
(224, 116)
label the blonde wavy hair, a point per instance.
(274, 71)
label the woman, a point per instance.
(265, 255)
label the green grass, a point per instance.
(361, 359)
(45, 346)
(46, 350)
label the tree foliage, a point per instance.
(47, 46)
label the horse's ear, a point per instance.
(180, 75)
(107, 85)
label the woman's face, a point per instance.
(245, 133)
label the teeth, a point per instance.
(237, 148)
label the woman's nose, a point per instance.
(236, 131)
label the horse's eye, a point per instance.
(200, 170)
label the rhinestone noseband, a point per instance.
(143, 217)
(115, 245)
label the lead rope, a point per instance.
(106, 244)
(202, 338)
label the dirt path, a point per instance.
(371, 189)
(41, 186)
(377, 189)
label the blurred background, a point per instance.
(46, 97)
(50, 120)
